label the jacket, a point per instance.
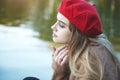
(98, 51)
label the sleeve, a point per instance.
(60, 72)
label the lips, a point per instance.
(54, 35)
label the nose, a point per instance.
(54, 27)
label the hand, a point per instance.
(60, 55)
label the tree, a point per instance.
(12, 10)
(2, 10)
(116, 18)
(45, 16)
(105, 10)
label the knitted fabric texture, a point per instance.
(83, 15)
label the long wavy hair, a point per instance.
(78, 45)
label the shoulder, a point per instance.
(97, 48)
(99, 51)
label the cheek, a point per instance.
(63, 37)
(66, 36)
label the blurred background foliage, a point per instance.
(42, 15)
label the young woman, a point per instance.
(86, 53)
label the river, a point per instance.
(22, 54)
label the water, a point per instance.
(22, 54)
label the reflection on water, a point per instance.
(22, 55)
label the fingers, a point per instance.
(60, 55)
(58, 50)
(62, 52)
(53, 49)
(64, 61)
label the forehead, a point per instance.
(62, 18)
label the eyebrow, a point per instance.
(62, 22)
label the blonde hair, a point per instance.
(78, 47)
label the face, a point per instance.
(61, 32)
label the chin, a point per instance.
(60, 41)
(56, 41)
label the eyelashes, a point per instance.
(61, 24)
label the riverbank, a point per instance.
(116, 43)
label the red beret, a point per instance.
(83, 15)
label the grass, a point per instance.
(115, 42)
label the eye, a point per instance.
(61, 25)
